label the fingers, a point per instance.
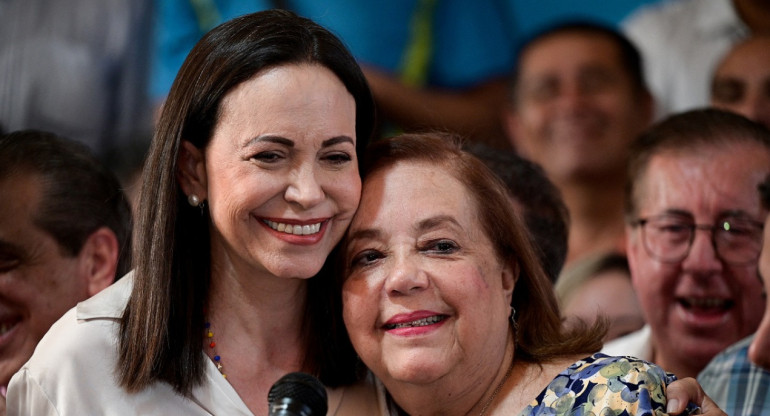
(686, 390)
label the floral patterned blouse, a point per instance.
(603, 385)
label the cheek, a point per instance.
(346, 190)
(358, 306)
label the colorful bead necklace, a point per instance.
(212, 344)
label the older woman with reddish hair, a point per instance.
(446, 303)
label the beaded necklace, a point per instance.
(217, 359)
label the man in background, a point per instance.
(579, 100)
(65, 234)
(694, 235)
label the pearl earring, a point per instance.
(193, 200)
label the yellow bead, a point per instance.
(210, 334)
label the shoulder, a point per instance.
(73, 349)
(602, 384)
(637, 344)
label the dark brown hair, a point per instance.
(540, 334)
(628, 55)
(80, 194)
(161, 328)
(687, 132)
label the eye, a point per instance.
(442, 246)
(8, 262)
(727, 91)
(337, 158)
(268, 157)
(366, 258)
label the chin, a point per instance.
(415, 373)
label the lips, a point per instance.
(415, 323)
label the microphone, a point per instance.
(297, 394)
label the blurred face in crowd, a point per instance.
(576, 108)
(426, 300)
(280, 174)
(39, 281)
(699, 304)
(742, 81)
(609, 294)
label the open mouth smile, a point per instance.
(294, 229)
(417, 323)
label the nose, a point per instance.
(702, 259)
(304, 188)
(405, 277)
(572, 95)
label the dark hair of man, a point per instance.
(162, 326)
(545, 215)
(628, 55)
(540, 335)
(688, 132)
(79, 194)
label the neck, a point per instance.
(755, 14)
(257, 325)
(457, 395)
(675, 365)
(596, 217)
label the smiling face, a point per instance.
(700, 305)
(280, 173)
(38, 281)
(425, 299)
(742, 81)
(576, 108)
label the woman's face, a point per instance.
(280, 173)
(425, 297)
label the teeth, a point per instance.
(706, 302)
(294, 229)
(420, 322)
(5, 327)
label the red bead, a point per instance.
(213, 344)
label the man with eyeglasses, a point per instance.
(693, 237)
(738, 379)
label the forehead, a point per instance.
(413, 187)
(27, 191)
(568, 50)
(288, 97)
(707, 182)
(749, 56)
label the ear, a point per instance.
(99, 260)
(510, 275)
(511, 124)
(191, 170)
(648, 107)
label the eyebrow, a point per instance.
(725, 213)
(424, 225)
(433, 222)
(290, 143)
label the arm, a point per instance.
(474, 113)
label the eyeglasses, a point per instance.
(668, 238)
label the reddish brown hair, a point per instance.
(540, 333)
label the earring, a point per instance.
(514, 324)
(193, 200)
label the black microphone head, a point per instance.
(297, 394)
